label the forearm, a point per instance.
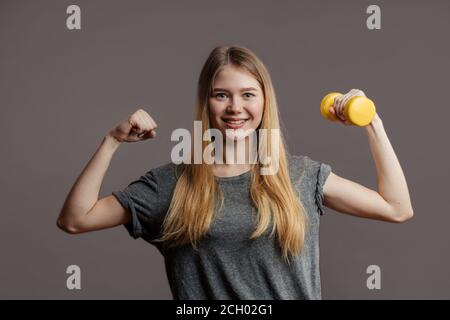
(84, 193)
(392, 184)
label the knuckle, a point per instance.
(131, 120)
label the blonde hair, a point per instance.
(192, 207)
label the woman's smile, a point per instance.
(234, 123)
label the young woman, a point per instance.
(227, 231)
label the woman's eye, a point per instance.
(223, 95)
(220, 95)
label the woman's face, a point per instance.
(237, 102)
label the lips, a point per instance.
(234, 123)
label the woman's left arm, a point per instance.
(392, 201)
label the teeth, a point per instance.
(235, 122)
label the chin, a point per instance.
(235, 136)
(238, 134)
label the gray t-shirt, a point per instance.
(227, 265)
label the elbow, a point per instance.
(69, 228)
(401, 218)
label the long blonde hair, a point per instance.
(193, 204)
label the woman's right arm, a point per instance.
(82, 210)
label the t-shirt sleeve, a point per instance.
(141, 199)
(318, 172)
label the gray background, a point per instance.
(61, 91)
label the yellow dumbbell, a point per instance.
(358, 110)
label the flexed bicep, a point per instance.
(352, 198)
(106, 213)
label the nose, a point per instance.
(235, 106)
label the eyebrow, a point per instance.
(243, 89)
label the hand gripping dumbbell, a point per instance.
(358, 110)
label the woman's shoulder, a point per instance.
(297, 162)
(164, 175)
(301, 161)
(164, 170)
(304, 166)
